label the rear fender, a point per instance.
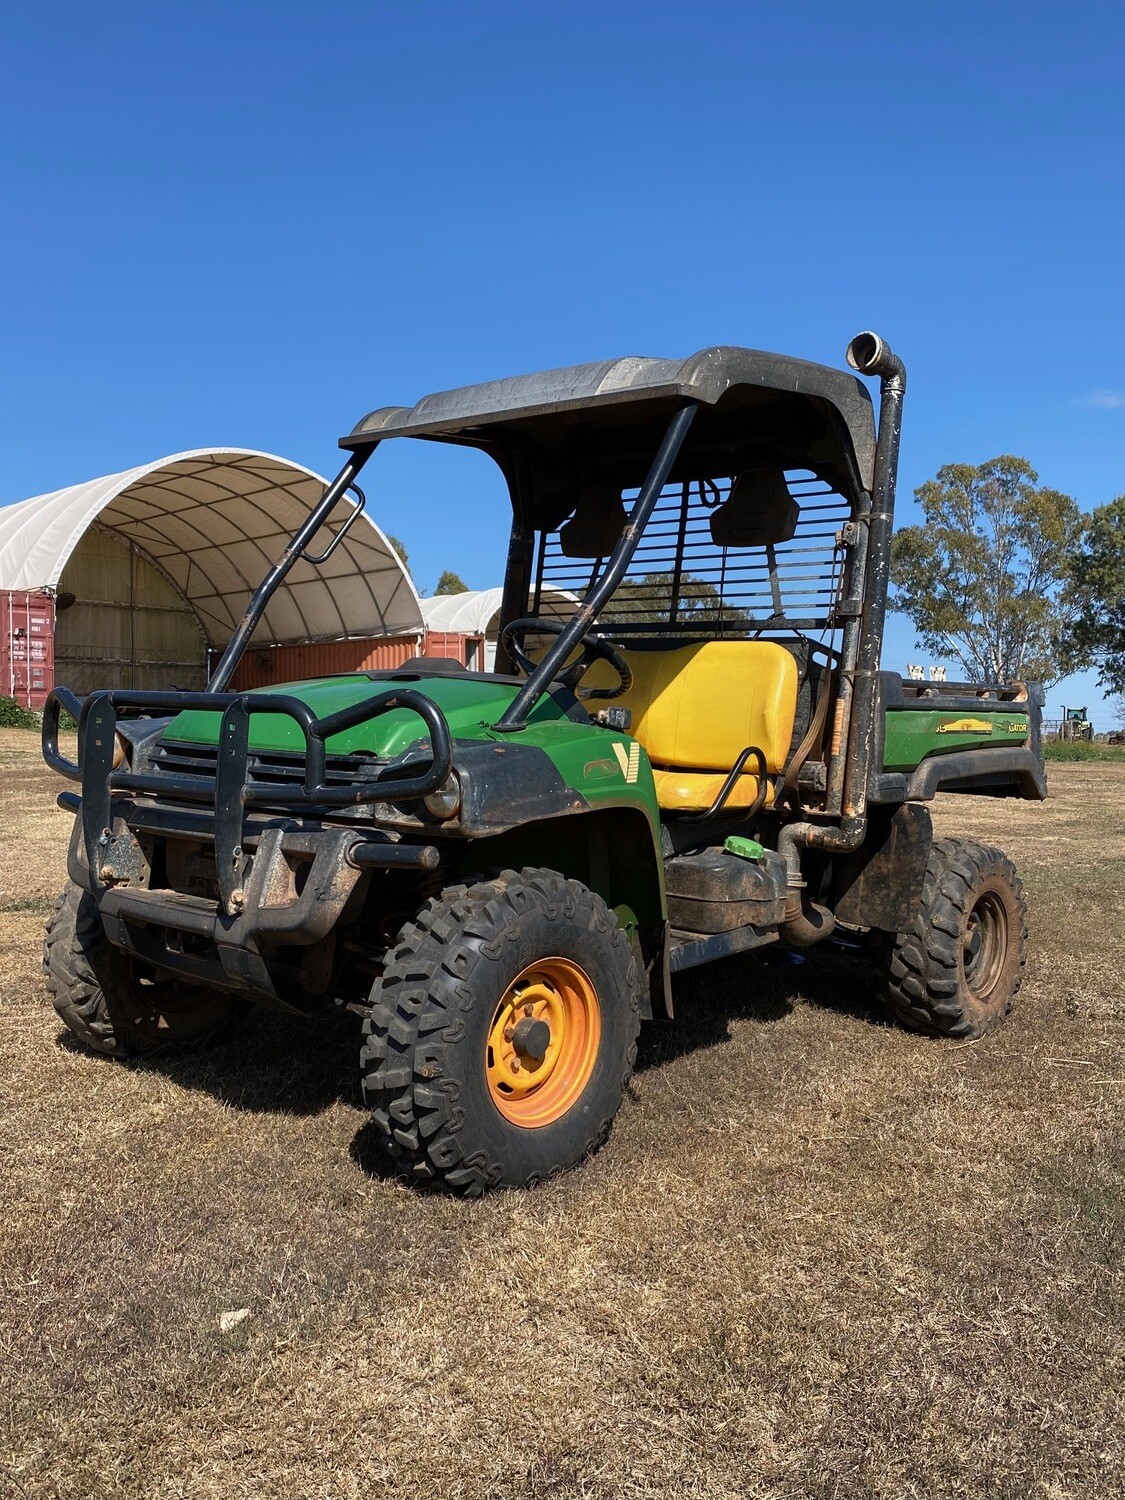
(880, 884)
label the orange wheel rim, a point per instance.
(543, 1042)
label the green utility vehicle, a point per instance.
(503, 872)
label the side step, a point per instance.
(692, 948)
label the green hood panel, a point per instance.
(470, 704)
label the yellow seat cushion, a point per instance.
(694, 791)
(696, 708)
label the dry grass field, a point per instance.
(819, 1257)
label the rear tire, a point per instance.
(957, 969)
(113, 1005)
(502, 1033)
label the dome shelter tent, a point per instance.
(477, 613)
(152, 568)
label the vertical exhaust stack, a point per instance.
(870, 355)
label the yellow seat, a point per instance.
(695, 709)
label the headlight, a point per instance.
(445, 801)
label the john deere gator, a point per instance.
(502, 873)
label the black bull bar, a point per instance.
(231, 791)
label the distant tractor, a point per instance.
(1075, 725)
(503, 872)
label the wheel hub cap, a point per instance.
(985, 944)
(531, 1037)
(543, 1042)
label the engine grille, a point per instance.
(180, 758)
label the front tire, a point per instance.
(502, 1033)
(957, 969)
(113, 1005)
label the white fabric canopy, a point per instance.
(476, 612)
(213, 521)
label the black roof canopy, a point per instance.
(602, 422)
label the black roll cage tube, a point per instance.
(297, 548)
(603, 588)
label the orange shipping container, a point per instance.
(278, 664)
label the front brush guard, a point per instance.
(231, 791)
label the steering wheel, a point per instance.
(592, 649)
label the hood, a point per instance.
(471, 704)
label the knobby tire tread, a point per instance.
(926, 990)
(433, 977)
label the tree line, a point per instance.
(1010, 579)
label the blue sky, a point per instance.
(248, 223)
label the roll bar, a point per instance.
(297, 548)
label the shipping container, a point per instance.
(27, 646)
(279, 664)
(27, 655)
(467, 649)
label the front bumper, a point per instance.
(301, 880)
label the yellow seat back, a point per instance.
(696, 708)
